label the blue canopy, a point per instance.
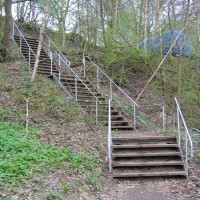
(168, 39)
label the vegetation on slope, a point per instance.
(26, 157)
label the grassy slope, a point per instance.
(24, 159)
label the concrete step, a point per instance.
(144, 146)
(147, 164)
(149, 174)
(144, 139)
(135, 155)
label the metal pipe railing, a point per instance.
(20, 45)
(111, 81)
(110, 93)
(195, 129)
(187, 135)
(109, 137)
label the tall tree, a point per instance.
(145, 24)
(44, 22)
(7, 33)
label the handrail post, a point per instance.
(59, 76)
(13, 30)
(84, 67)
(51, 62)
(29, 57)
(134, 117)
(186, 153)
(174, 120)
(20, 44)
(49, 44)
(178, 128)
(98, 87)
(163, 114)
(76, 88)
(111, 91)
(109, 136)
(96, 112)
(59, 65)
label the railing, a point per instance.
(62, 65)
(187, 138)
(109, 137)
(113, 92)
(30, 51)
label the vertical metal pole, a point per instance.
(174, 120)
(110, 91)
(96, 112)
(163, 113)
(109, 136)
(20, 44)
(13, 30)
(98, 79)
(59, 76)
(186, 153)
(59, 65)
(76, 88)
(49, 44)
(134, 116)
(178, 127)
(29, 57)
(84, 67)
(51, 62)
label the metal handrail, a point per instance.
(109, 136)
(51, 42)
(187, 135)
(195, 129)
(76, 76)
(134, 113)
(63, 60)
(111, 80)
(135, 105)
(14, 25)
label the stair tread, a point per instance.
(120, 127)
(143, 138)
(150, 174)
(146, 154)
(153, 163)
(31, 38)
(134, 146)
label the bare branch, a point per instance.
(21, 1)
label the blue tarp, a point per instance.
(168, 39)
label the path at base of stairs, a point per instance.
(146, 192)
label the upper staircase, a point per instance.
(85, 94)
(130, 155)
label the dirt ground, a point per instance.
(79, 136)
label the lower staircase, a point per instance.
(131, 156)
(146, 156)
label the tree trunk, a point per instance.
(1, 11)
(8, 26)
(44, 21)
(186, 20)
(145, 24)
(102, 22)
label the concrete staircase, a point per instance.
(132, 156)
(78, 89)
(146, 156)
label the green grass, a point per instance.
(46, 100)
(21, 158)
